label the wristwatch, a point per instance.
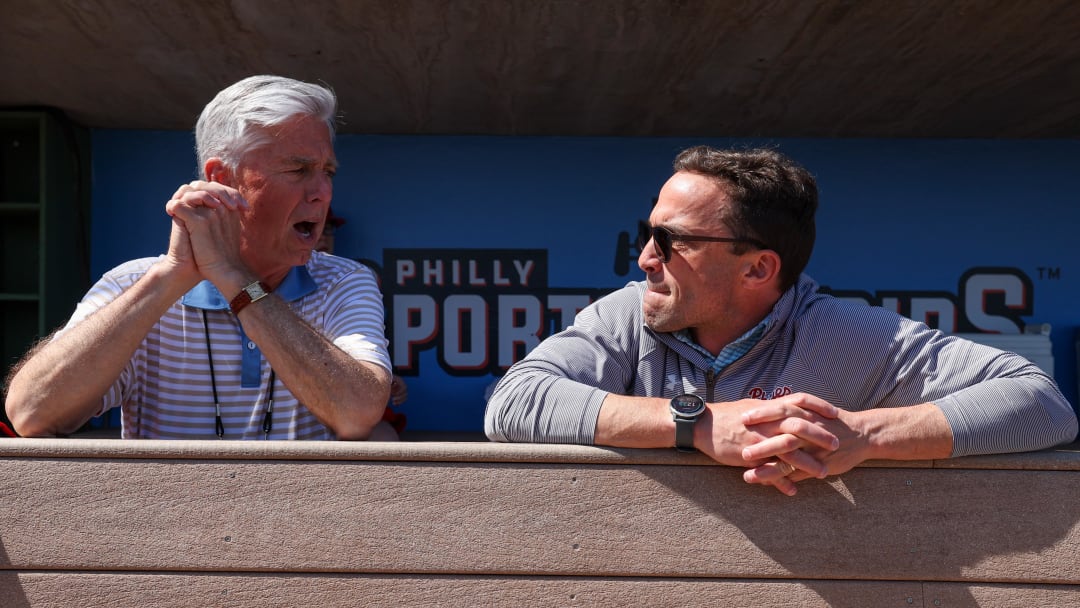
(685, 410)
(251, 293)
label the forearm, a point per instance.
(647, 422)
(346, 395)
(635, 422)
(62, 383)
(918, 432)
(994, 401)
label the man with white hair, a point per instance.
(240, 330)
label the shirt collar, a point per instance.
(297, 284)
(732, 351)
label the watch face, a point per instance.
(687, 405)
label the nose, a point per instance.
(648, 260)
(321, 188)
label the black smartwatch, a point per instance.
(685, 410)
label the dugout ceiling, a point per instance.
(781, 68)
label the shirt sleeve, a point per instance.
(354, 318)
(994, 401)
(554, 394)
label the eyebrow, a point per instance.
(309, 161)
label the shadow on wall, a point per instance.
(885, 524)
(11, 591)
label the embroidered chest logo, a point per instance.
(760, 393)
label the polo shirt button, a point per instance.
(251, 345)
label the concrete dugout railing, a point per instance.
(100, 522)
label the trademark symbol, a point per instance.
(1050, 273)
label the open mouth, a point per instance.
(304, 228)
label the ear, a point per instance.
(762, 270)
(215, 170)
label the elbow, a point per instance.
(38, 413)
(360, 423)
(353, 434)
(29, 430)
(1063, 422)
(15, 410)
(1072, 428)
(23, 421)
(491, 429)
(494, 417)
(361, 426)
(497, 426)
(358, 431)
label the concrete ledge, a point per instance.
(148, 523)
(1065, 458)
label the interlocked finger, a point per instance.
(785, 468)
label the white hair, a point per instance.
(235, 120)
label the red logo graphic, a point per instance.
(760, 393)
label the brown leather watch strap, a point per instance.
(251, 293)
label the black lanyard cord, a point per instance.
(219, 425)
(268, 418)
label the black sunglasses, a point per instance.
(662, 239)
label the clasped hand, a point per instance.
(205, 239)
(792, 438)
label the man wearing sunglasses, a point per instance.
(727, 348)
